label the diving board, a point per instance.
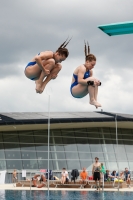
(119, 28)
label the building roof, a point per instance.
(60, 117)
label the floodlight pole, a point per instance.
(48, 137)
(117, 146)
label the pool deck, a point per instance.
(12, 187)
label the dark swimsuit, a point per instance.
(31, 64)
(96, 175)
(86, 75)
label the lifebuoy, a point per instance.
(35, 181)
(40, 185)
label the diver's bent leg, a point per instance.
(52, 75)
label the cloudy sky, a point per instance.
(29, 27)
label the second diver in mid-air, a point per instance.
(83, 82)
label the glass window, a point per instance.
(110, 156)
(10, 137)
(59, 164)
(43, 147)
(131, 166)
(120, 152)
(43, 155)
(26, 138)
(40, 140)
(121, 156)
(57, 140)
(96, 148)
(87, 164)
(13, 155)
(58, 155)
(30, 147)
(73, 164)
(86, 156)
(28, 155)
(40, 133)
(119, 148)
(70, 147)
(1, 145)
(106, 130)
(122, 165)
(82, 144)
(57, 148)
(69, 141)
(62, 164)
(56, 132)
(109, 147)
(71, 155)
(14, 164)
(2, 165)
(129, 148)
(30, 164)
(43, 164)
(112, 166)
(2, 154)
(81, 133)
(11, 141)
(68, 133)
(99, 155)
(130, 156)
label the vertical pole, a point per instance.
(103, 181)
(48, 137)
(30, 181)
(117, 146)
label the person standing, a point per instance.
(14, 176)
(96, 172)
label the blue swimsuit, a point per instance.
(86, 75)
(30, 64)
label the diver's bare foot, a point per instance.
(42, 89)
(95, 103)
(38, 87)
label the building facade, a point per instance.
(75, 140)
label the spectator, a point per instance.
(113, 175)
(14, 176)
(64, 176)
(102, 171)
(84, 175)
(96, 172)
(127, 177)
(121, 177)
(107, 176)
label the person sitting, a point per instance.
(107, 176)
(84, 176)
(127, 177)
(113, 175)
(64, 176)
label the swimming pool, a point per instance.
(63, 195)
